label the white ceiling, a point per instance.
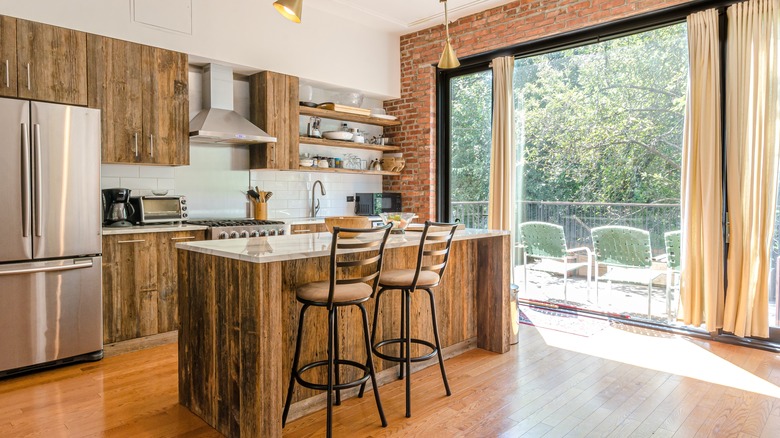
(399, 16)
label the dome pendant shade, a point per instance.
(448, 58)
(290, 9)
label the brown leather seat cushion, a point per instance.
(318, 292)
(404, 277)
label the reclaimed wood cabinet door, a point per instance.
(166, 106)
(167, 278)
(51, 63)
(8, 57)
(115, 87)
(307, 228)
(130, 292)
(274, 108)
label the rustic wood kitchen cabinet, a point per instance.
(274, 108)
(308, 228)
(8, 57)
(51, 63)
(140, 289)
(142, 92)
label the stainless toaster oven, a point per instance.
(158, 209)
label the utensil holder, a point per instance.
(261, 211)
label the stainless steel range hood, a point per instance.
(218, 123)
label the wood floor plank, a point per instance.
(537, 389)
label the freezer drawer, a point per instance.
(49, 311)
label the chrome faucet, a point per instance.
(316, 208)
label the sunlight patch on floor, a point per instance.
(676, 355)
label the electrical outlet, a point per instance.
(350, 199)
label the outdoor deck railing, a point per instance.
(578, 218)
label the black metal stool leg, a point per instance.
(371, 366)
(336, 353)
(294, 371)
(408, 298)
(438, 344)
(373, 333)
(331, 318)
(401, 336)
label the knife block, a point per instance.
(261, 211)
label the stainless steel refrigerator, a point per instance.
(50, 235)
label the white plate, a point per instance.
(337, 135)
(384, 116)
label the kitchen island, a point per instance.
(238, 318)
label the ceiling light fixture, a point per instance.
(290, 9)
(448, 58)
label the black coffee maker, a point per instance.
(117, 208)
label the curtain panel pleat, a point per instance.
(701, 287)
(751, 161)
(502, 151)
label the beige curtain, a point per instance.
(751, 160)
(701, 288)
(502, 151)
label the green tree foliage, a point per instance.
(471, 110)
(597, 123)
(604, 122)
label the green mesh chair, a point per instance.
(673, 267)
(542, 240)
(627, 249)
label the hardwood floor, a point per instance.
(614, 383)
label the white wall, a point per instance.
(249, 33)
(218, 175)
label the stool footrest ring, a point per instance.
(324, 363)
(375, 349)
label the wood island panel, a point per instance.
(239, 321)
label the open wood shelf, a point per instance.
(354, 171)
(336, 115)
(347, 144)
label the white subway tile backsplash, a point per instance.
(138, 183)
(166, 183)
(109, 183)
(120, 170)
(156, 172)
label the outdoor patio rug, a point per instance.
(569, 322)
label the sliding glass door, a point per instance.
(599, 135)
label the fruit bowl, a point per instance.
(400, 220)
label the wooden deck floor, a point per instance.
(616, 382)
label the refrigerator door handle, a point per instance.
(38, 179)
(25, 180)
(47, 267)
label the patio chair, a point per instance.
(542, 240)
(627, 249)
(673, 266)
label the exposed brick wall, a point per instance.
(492, 29)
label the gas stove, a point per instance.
(240, 228)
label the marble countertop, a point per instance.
(301, 246)
(314, 220)
(163, 228)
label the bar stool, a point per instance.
(434, 248)
(352, 252)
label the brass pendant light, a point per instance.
(448, 58)
(290, 9)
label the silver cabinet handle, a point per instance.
(38, 178)
(135, 137)
(151, 145)
(7, 75)
(25, 180)
(29, 85)
(183, 238)
(75, 265)
(132, 241)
